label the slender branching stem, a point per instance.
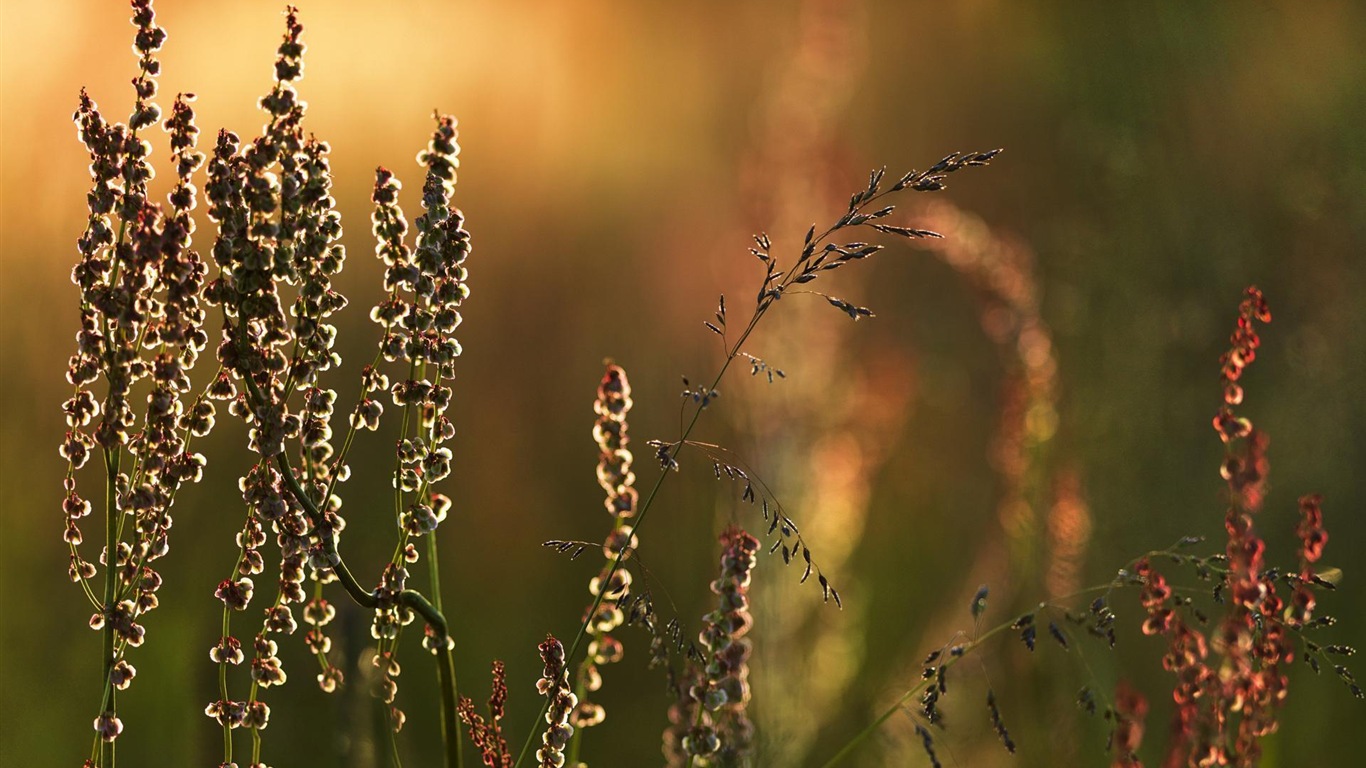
(764, 304)
(978, 641)
(887, 714)
(409, 598)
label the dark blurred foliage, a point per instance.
(1160, 157)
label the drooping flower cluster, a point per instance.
(554, 685)
(140, 319)
(611, 587)
(711, 726)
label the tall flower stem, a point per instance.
(111, 525)
(409, 598)
(445, 670)
(645, 510)
(806, 268)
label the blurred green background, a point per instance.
(1160, 157)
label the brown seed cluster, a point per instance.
(1313, 537)
(710, 725)
(140, 324)
(426, 285)
(554, 685)
(611, 588)
(487, 735)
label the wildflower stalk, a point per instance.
(611, 433)
(487, 734)
(409, 598)
(776, 283)
(718, 687)
(111, 529)
(560, 702)
(640, 519)
(122, 276)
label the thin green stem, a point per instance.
(450, 689)
(223, 689)
(968, 648)
(445, 669)
(696, 722)
(351, 430)
(223, 665)
(393, 747)
(450, 727)
(398, 461)
(409, 598)
(111, 519)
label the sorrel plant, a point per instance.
(149, 302)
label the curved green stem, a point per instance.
(408, 598)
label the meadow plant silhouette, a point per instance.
(149, 302)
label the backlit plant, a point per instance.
(150, 305)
